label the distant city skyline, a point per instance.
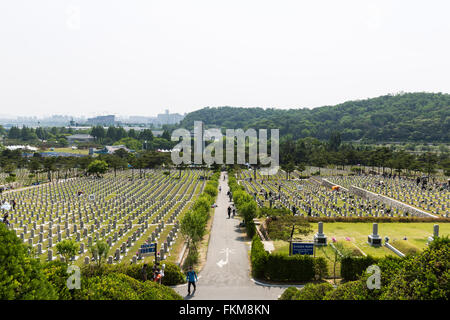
(82, 116)
(92, 58)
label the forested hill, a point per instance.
(401, 117)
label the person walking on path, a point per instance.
(229, 212)
(191, 278)
(234, 211)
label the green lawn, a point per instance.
(357, 233)
(416, 233)
(68, 150)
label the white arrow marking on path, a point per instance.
(227, 251)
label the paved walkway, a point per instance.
(226, 274)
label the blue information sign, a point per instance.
(147, 248)
(302, 248)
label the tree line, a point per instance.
(66, 167)
(58, 137)
(413, 117)
(296, 154)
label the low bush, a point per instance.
(313, 291)
(289, 293)
(320, 268)
(21, 276)
(191, 259)
(297, 268)
(258, 257)
(172, 273)
(245, 204)
(56, 273)
(119, 286)
(424, 276)
(353, 290)
(353, 267)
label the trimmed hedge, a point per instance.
(245, 205)
(280, 267)
(283, 268)
(288, 294)
(258, 257)
(353, 267)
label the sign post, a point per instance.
(302, 248)
(149, 248)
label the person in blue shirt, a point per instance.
(191, 278)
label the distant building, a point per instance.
(168, 118)
(80, 138)
(140, 119)
(157, 133)
(102, 120)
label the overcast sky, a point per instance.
(91, 57)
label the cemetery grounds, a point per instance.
(311, 198)
(125, 212)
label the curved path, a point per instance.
(226, 274)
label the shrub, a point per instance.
(21, 276)
(246, 206)
(421, 277)
(353, 267)
(118, 286)
(297, 268)
(288, 294)
(313, 291)
(67, 248)
(56, 273)
(320, 268)
(278, 267)
(172, 273)
(258, 257)
(250, 228)
(191, 259)
(354, 290)
(424, 276)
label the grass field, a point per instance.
(416, 234)
(68, 150)
(354, 236)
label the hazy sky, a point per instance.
(135, 57)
